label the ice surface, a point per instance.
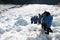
(15, 23)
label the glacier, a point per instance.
(15, 23)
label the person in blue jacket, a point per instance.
(32, 20)
(47, 22)
(35, 19)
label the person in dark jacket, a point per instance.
(32, 20)
(35, 19)
(42, 22)
(39, 19)
(47, 22)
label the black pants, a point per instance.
(31, 22)
(35, 22)
(44, 26)
(39, 22)
(47, 29)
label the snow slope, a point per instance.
(15, 23)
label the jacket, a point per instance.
(48, 20)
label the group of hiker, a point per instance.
(45, 20)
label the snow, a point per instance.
(4, 6)
(15, 23)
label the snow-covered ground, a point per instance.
(6, 7)
(15, 23)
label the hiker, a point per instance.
(39, 19)
(35, 19)
(47, 22)
(32, 20)
(42, 21)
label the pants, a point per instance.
(46, 29)
(49, 30)
(35, 22)
(39, 22)
(31, 22)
